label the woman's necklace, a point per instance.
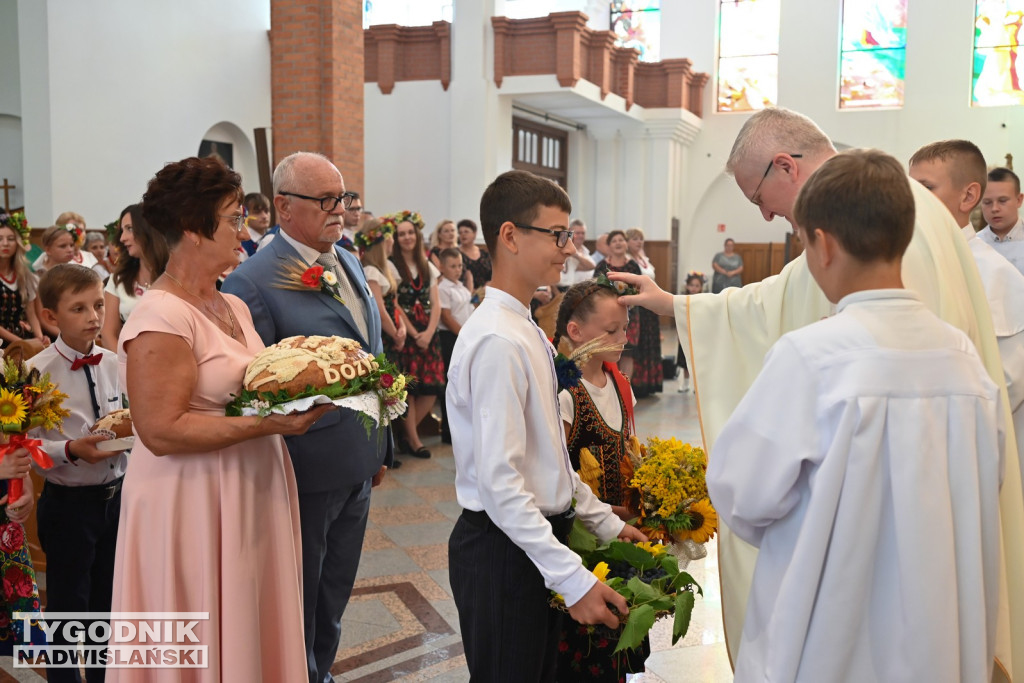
(12, 279)
(230, 322)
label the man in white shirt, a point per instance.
(513, 476)
(1001, 207)
(579, 266)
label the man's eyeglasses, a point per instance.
(327, 204)
(754, 199)
(561, 236)
(238, 219)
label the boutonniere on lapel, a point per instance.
(297, 276)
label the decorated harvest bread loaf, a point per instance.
(119, 422)
(295, 363)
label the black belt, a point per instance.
(98, 492)
(561, 524)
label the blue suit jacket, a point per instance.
(335, 453)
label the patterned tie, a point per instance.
(354, 302)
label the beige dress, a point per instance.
(213, 532)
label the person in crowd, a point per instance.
(476, 261)
(352, 220)
(257, 222)
(419, 306)
(446, 236)
(727, 335)
(1000, 205)
(600, 248)
(18, 312)
(142, 262)
(648, 371)
(58, 247)
(75, 224)
(80, 504)
(337, 463)
(210, 513)
(455, 311)
(619, 261)
(728, 267)
(96, 244)
(695, 283)
(892, 425)
(513, 478)
(598, 416)
(578, 267)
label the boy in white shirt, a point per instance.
(80, 504)
(456, 307)
(513, 477)
(874, 494)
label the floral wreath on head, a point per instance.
(696, 274)
(17, 222)
(619, 287)
(403, 216)
(77, 233)
(111, 229)
(366, 239)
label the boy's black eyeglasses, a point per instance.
(327, 204)
(561, 236)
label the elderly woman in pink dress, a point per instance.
(209, 514)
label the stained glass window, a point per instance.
(637, 23)
(998, 62)
(748, 54)
(874, 53)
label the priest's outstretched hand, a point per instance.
(651, 296)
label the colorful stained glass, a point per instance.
(748, 54)
(637, 23)
(874, 53)
(998, 62)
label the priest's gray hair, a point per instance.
(771, 131)
(285, 175)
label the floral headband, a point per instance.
(696, 274)
(16, 221)
(621, 288)
(366, 239)
(77, 233)
(403, 216)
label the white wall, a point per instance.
(113, 89)
(10, 104)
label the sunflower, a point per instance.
(12, 408)
(703, 522)
(601, 571)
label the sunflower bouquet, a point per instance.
(650, 580)
(28, 399)
(674, 503)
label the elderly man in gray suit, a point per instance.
(335, 463)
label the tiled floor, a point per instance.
(402, 625)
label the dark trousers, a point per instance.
(78, 533)
(447, 346)
(333, 524)
(509, 631)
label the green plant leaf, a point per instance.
(638, 625)
(684, 608)
(669, 563)
(683, 579)
(643, 592)
(581, 541)
(615, 583)
(627, 552)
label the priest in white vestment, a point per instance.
(874, 494)
(727, 335)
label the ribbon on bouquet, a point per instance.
(15, 487)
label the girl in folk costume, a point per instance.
(376, 242)
(75, 224)
(597, 411)
(420, 309)
(18, 319)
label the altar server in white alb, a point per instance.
(874, 494)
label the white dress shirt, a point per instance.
(56, 360)
(1010, 246)
(457, 299)
(509, 444)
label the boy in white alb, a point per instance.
(513, 477)
(456, 307)
(874, 495)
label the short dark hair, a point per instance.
(466, 223)
(256, 201)
(1001, 174)
(967, 163)
(613, 233)
(516, 196)
(863, 199)
(65, 277)
(184, 195)
(450, 252)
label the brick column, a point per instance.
(316, 72)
